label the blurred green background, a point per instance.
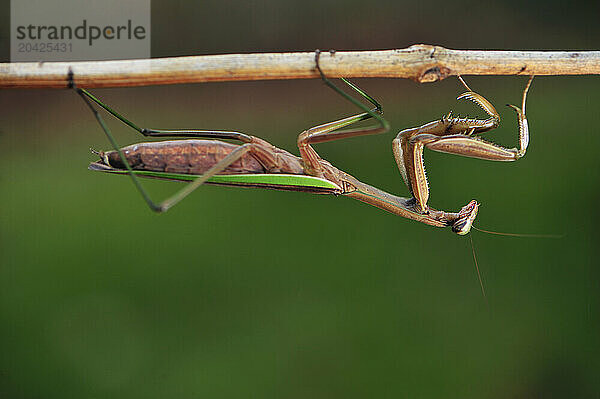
(249, 293)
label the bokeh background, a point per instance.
(249, 293)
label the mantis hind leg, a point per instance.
(184, 192)
(261, 150)
(191, 133)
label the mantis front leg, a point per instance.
(455, 135)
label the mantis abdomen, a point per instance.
(183, 156)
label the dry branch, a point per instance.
(422, 63)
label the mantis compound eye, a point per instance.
(462, 225)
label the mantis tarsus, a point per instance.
(257, 163)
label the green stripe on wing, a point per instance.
(284, 180)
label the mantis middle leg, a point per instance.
(314, 164)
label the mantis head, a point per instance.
(463, 223)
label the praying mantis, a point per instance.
(205, 158)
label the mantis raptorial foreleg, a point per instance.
(455, 135)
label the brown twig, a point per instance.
(422, 63)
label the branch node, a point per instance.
(433, 74)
